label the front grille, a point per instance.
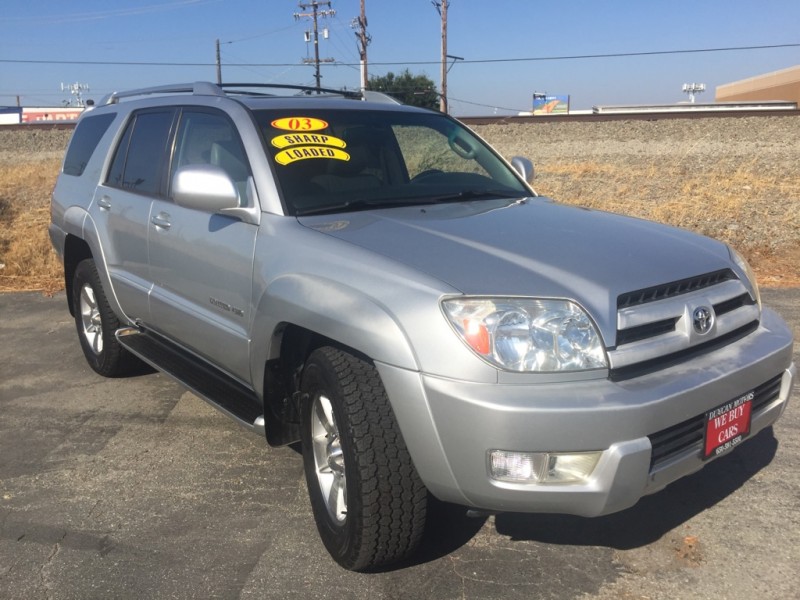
(655, 325)
(674, 288)
(673, 441)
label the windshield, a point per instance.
(344, 160)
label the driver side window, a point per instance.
(210, 138)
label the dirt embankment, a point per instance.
(735, 179)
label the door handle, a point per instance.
(104, 203)
(161, 220)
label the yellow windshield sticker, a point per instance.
(291, 155)
(307, 139)
(299, 124)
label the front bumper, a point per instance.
(450, 426)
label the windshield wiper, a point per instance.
(474, 195)
(356, 205)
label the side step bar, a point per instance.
(215, 387)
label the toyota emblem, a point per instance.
(702, 319)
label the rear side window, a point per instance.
(84, 141)
(139, 161)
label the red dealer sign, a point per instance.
(33, 115)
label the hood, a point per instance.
(532, 247)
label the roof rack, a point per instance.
(206, 88)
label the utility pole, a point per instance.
(692, 89)
(363, 41)
(441, 7)
(315, 14)
(219, 66)
(76, 89)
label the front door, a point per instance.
(202, 263)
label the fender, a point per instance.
(331, 309)
(79, 224)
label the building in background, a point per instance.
(13, 115)
(778, 85)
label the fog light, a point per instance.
(542, 467)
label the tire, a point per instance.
(96, 324)
(368, 501)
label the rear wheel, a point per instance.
(97, 323)
(368, 501)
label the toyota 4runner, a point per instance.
(375, 281)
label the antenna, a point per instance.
(76, 89)
(692, 89)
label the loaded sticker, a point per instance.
(301, 145)
(290, 155)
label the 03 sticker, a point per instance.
(300, 124)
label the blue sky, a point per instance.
(404, 33)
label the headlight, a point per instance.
(526, 334)
(748, 271)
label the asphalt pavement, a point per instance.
(134, 488)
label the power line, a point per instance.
(402, 63)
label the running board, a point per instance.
(212, 385)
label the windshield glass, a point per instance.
(344, 160)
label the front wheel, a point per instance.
(368, 501)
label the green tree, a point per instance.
(416, 90)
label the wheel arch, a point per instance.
(315, 312)
(75, 251)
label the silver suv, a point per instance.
(377, 282)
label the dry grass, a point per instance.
(756, 211)
(732, 198)
(27, 258)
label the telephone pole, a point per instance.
(314, 15)
(219, 65)
(364, 39)
(441, 7)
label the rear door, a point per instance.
(202, 263)
(121, 207)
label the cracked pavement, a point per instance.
(134, 488)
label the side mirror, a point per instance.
(524, 167)
(204, 187)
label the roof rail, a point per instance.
(205, 88)
(198, 88)
(372, 96)
(307, 89)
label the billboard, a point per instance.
(33, 115)
(550, 104)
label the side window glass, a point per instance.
(118, 164)
(84, 141)
(206, 138)
(140, 156)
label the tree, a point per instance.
(415, 90)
